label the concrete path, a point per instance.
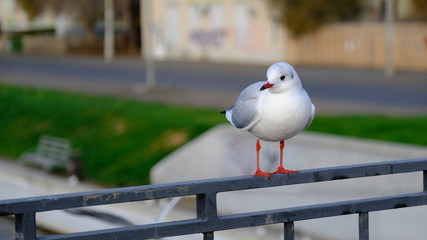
(334, 91)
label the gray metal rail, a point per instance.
(207, 220)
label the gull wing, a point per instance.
(245, 113)
(310, 120)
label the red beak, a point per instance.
(265, 86)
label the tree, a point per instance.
(304, 16)
(420, 9)
(33, 8)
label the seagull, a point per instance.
(274, 111)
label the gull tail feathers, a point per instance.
(228, 114)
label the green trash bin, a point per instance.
(14, 44)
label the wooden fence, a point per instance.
(360, 45)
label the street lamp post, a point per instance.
(389, 39)
(147, 42)
(108, 30)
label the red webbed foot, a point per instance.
(259, 173)
(281, 170)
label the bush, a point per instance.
(305, 16)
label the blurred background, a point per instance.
(125, 84)
(338, 46)
(351, 33)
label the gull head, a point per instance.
(281, 77)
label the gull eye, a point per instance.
(282, 77)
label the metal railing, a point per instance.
(207, 220)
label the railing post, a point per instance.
(25, 226)
(208, 236)
(289, 231)
(425, 180)
(207, 210)
(364, 226)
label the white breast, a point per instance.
(283, 115)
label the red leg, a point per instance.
(258, 172)
(281, 169)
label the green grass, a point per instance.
(122, 139)
(404, 129)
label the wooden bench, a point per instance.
(51, 153)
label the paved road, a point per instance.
(337, 91)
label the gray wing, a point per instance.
(245, 113)
(313, 112)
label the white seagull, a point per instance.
(275, 110)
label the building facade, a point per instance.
(216, 30)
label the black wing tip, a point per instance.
(224, 112)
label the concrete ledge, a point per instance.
(225, 151)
